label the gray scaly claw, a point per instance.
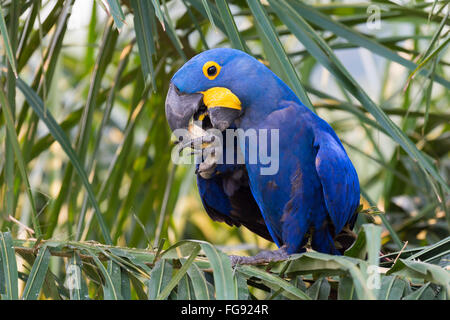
(262, 257)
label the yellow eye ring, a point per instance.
(211, 70)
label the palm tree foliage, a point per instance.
(92, 207)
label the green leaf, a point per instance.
(37, 275)
(328, 265)
(288, 69)
(138, 287)
(433, 251)
(143, 12)
(325, 22)
(2, 277)
(21, 163)
(423, 293)
(323, 53)
(368, 243)
(38, 106)
(444, 261)
(196, 24)
(213, 12)
(115, 273)
(320, 290)
(111, 287)
(9, 266)
(159, 278)
(316, 263)
(392, 288)
(125, 284)
(179, 275)
(181, 249)
(185, 290)
(230, 25)
(223, 274)
(346, 289)
(89, 59)
(385, 221)
(242, 292)
(7, 43)
(74, 281)
(208, 11)
(436, 51)
(116, 11)
(199, 283)
(173, 36)
(138, 260)
(422, 270)
(274, 282)
(158, 11)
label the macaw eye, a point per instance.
(211, 70)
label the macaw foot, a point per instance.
(263, 257)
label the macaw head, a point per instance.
(217, 86)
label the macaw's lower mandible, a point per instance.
(313, 195)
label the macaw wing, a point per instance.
(339, 179)
(227, 198)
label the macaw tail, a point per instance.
(322, 241)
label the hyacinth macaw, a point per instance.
(313, 197)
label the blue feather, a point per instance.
(315, 192)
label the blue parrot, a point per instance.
(313, 196)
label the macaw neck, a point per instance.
(266, 100)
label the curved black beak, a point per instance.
(181, 107)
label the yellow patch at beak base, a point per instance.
(202, 116)
(221, 97)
